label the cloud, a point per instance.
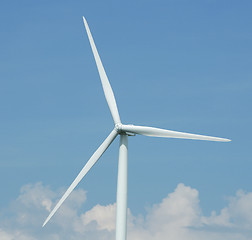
(238, 213)
(178, 217)
(103, 216)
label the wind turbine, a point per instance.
(124, 131)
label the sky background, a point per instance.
(179, 65)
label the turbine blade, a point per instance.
(157, 132)
(98, 153)
(109, 95)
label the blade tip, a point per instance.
(46, 221)
(225, 140)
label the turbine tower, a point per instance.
(124, 131)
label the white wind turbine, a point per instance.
(122, 130)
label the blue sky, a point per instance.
(177, 65)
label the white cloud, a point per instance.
(14, 235)
(178, 217)
(238, 213)
(104, 216)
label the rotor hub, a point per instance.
(118, 127)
